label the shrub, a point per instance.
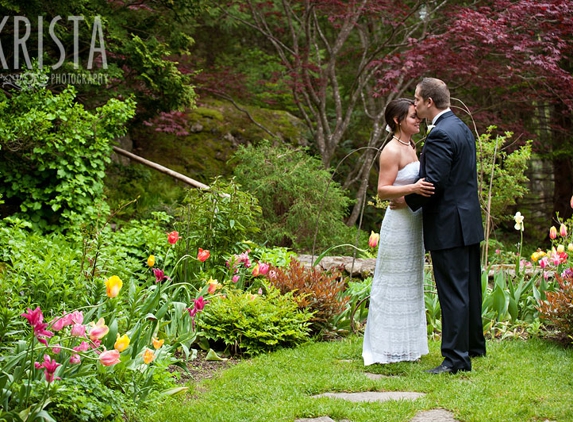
(218, 220)
(557, 309)
(297, 196)
(254, 323)
(317, 291)
(53, 155)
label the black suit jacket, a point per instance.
(452, 215)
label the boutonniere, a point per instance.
(430, 127)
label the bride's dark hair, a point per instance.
(398, 109)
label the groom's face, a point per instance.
(421, 105)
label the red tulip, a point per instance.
(173, 237)
(203, 255)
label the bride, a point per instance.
(396, 325)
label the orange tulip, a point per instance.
(157, 343)
(148, 356)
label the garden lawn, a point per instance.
(518, 381)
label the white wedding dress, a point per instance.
(396, 325)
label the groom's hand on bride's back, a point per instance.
(398, 203)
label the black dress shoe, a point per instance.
(443, 369)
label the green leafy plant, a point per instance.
(254, 323)
(53, 155)
(500, 172)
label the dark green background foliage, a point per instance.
(297, 196)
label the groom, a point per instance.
(452, 225)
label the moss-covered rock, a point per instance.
(215, 129)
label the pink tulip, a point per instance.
(571, 203)
(34, 316)
(563, 230)
(75, 359)
(552, 232)
(83, 346)
(263, 268)
(159, 275)
(78, 330)
(543, 262)
(76, 317)
(99, 330)
(36, 320)
(109, 357)
(235, 278)
(50, 366)
(58, 323)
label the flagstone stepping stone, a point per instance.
(434, 415)
(369, 396)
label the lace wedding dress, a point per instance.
(396, 324)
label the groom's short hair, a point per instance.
(437, 90)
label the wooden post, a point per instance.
(160, 168)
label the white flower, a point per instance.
(430, 127)
(518, 221)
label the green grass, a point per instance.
(518, 381)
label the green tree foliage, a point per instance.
(142, 44)
(501, 175)
(53, 155)
(298, 197)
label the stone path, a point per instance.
(434, 415)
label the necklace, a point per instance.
(402, 142)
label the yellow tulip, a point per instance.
(151, 261)
(121, 343)
(157, 343)
(570, 247)
(113, 285)
(560, 248)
